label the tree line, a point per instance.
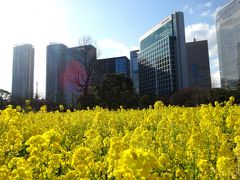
(117, 91)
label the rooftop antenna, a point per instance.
(36, 94)
(194, 39)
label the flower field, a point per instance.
(162, 142)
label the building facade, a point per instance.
(228, 41)
(68, 72)
(198, 64)
(23, 72)
(134, 69)
(80, 72)
(55, 68)
(115, 65)
(162, 58)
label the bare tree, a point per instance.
(83, 70)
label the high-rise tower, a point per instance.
(198, 64)
(56, 63)
(162, 58)
(228, 41)
(23, 72)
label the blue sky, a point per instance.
(115, 25)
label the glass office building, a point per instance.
(115, 65)
(228, 41)
(198, 64)
(162, 59)
(122, 66)
(23, 72)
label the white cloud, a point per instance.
(208, 4)
(213, 51)
(215, 77)
(185, 7)
(214, 63)
(215, 73)
(188, 9)
(204, 31)
(111, 48)
(132, 48)
(205, 13)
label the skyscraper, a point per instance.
(56, 63)
(228, 41)
(198, 64)
(162, 58)
(134, 69)
(23, 71)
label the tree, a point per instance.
(215, 83)
(188, 97)
(219, 94)
(116, 91)
(82, 71)
(236, 93)
(5, 98)
(38, 101)
(146, 100)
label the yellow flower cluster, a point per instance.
(162, 142)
